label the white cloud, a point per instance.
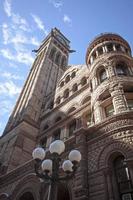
(20, 22)
(67, 19)
(56, 3)
(20, 56)
(11, 76)
(5, 107)
(39, 23)
(7, 54)
(7, 7)
(9, 89)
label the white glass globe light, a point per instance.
(74, 155)
(67, 166)
(47, 165)
(38, 153)
(57, 146)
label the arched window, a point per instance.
(27, 196)
(43, 142)
(67, 79)
(52, 54)
(118, 47)
(63, 61)
(58, 100)
(75, 87)
(121, 69)
(56, 134)
(110, 47)
(71, 110)
(122, 178)
(109, 110)
(66, 93)
(57, 59)
(86, 100)
(102, 75)
(83, 81)
(73, 74)
(100, 51)
(72, 127)
(62, 84)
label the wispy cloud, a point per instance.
(39, 23)
(9, 89)
(7, 7)
(11, 76)
(20, 56)
(56, 3)
(67, 19)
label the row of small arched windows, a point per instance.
(68, 78)
(109, 47)
(57, 57)
(66, 93)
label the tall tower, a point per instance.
(19, 137)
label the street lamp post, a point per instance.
(49, 169)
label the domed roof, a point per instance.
(105, 37)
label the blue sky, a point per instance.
(24, 24)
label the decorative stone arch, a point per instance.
(4, 196)
(108, 150)
(84, 100)
(29, 183)
(74, 105)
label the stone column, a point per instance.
(118, 98)
(81, 177)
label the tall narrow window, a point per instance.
(123, 178)
(72, 127)
(57, 59)
(56, 134)
(102, 75)
(109, 110)
(52, 54)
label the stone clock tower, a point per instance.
(37, 95)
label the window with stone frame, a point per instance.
(121, 69)
(52, 54)
(72, 127)
(58, 57)
(75, 87)
(102, 75)
(63, 61)
(130, 104)
(88, 118)
(66, 93)
(67, 79)
(122, 177)
(110, 47)
(109, 110)
(56, 134)
(73, 74)
(83, 81)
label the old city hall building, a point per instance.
(89, 107)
